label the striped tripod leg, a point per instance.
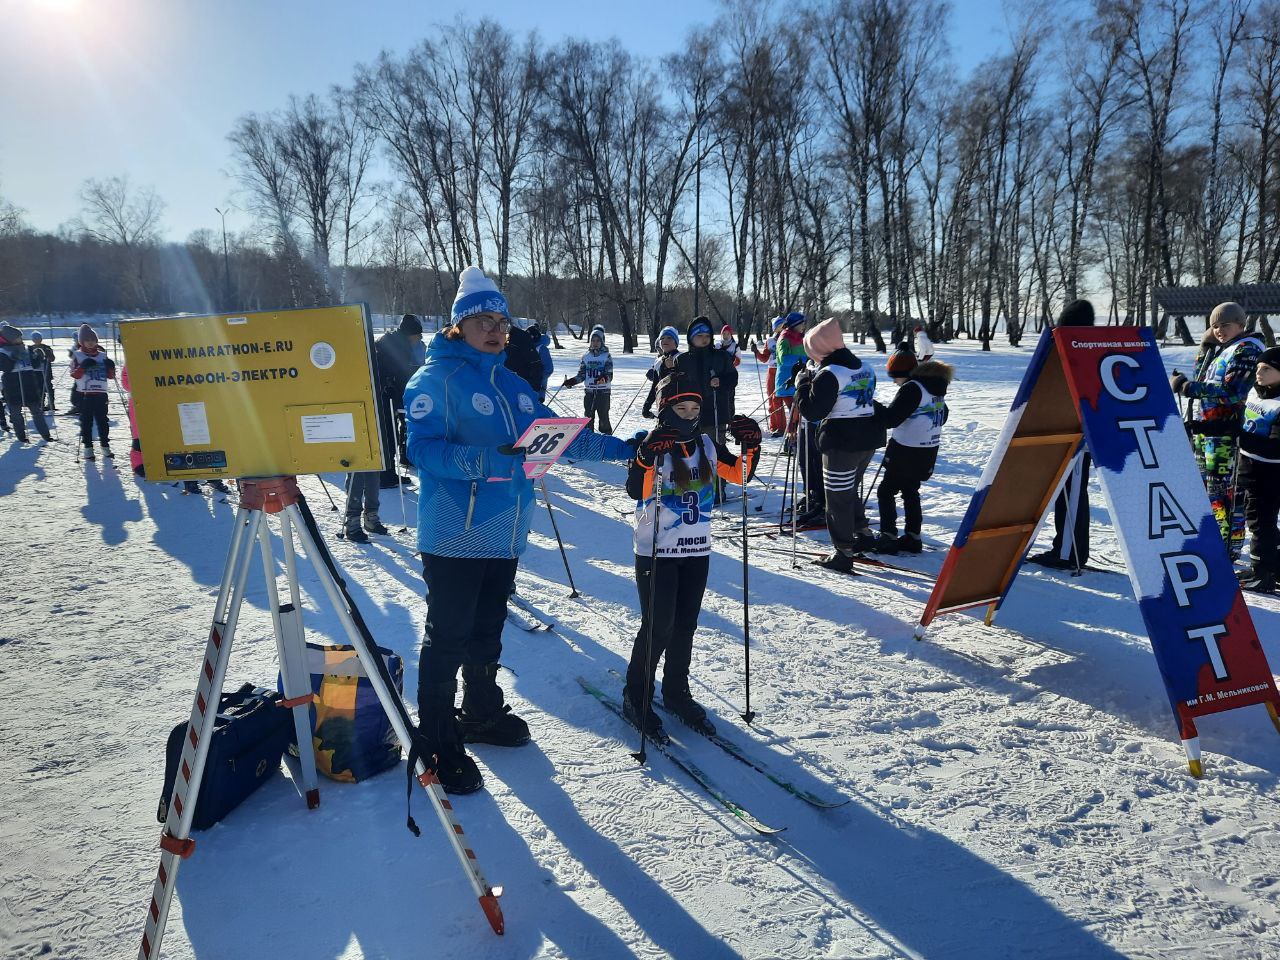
(175, 844)
(395, 712)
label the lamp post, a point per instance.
(226, 260)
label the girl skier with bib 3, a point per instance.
(672, 480)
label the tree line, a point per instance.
(822, 158)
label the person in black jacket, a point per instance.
(22, 382)
(1071, 509)
(1260, 472)
(396, 365)
(916, 417)
(711, 374)
(840, 395)
(39, 346)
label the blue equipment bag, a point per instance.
(249, 738)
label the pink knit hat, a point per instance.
(823, 338)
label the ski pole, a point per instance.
(641, 757)
(325, 487)
(634, 397)
(395, 433)
(871, 487)
(773, 469)
(546, 498)
(748, 714)
(801, 451)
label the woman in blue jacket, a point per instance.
(465, 410)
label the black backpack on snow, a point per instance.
(523, 358)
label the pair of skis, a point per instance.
(709, 786)
(521, 613)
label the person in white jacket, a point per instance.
(923, 345)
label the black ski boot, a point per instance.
(372, 524)
(437, 737)
(910, 543)
(837, 561)
(649, 722)
(1259, 580)
(679, 700)
(484, 717)
(501, 728)
(886, 543)
(352, 532)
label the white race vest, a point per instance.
(685, 518)
(924, 427)
(857, 387)
(1260, 416)
(94, 380)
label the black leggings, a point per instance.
(466, 611)
(678, 590)
(892, 484)
(93, 409)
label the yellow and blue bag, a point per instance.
(352, 737)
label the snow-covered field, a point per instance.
(1013, 791)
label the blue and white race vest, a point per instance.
(857, 388)
(924, 427)
(1261, 417)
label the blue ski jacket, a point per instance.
(544, 351)
(460, 407)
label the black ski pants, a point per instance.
(1074, 542)
(93, 409)
(595, 406)
(466, 610)
(678, 586)
(842, 472)
(893, 483)
(815, 492)
(1260, 482)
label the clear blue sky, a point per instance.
(150, 88)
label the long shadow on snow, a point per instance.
(107, 505)
(974, 909)
(17, 464)
(294, 883)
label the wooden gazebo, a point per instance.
(1259, 300)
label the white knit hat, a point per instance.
(477, 294)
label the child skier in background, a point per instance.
(668, 351)
(22, 382)
(789, 353)
(769, 356)
(1222, 382)
(595, 371)
(841, 395)
(916, 416)
(92, 369)
(39, 346)
(923, 346)
(1260, 471)
(672, 481)
(729, 343)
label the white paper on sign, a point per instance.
(329, 428)
(194, 423)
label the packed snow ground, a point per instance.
(1014, 791)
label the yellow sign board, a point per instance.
(278, 392)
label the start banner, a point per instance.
(1203, 637)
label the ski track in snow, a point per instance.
(1015, 791)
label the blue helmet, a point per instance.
(794, 318)
(777, 322)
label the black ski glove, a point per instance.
(1178, 381)
(746, 431)
(660, 442)
(88, 364)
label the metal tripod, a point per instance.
(258, 499)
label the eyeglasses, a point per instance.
(489, 324)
